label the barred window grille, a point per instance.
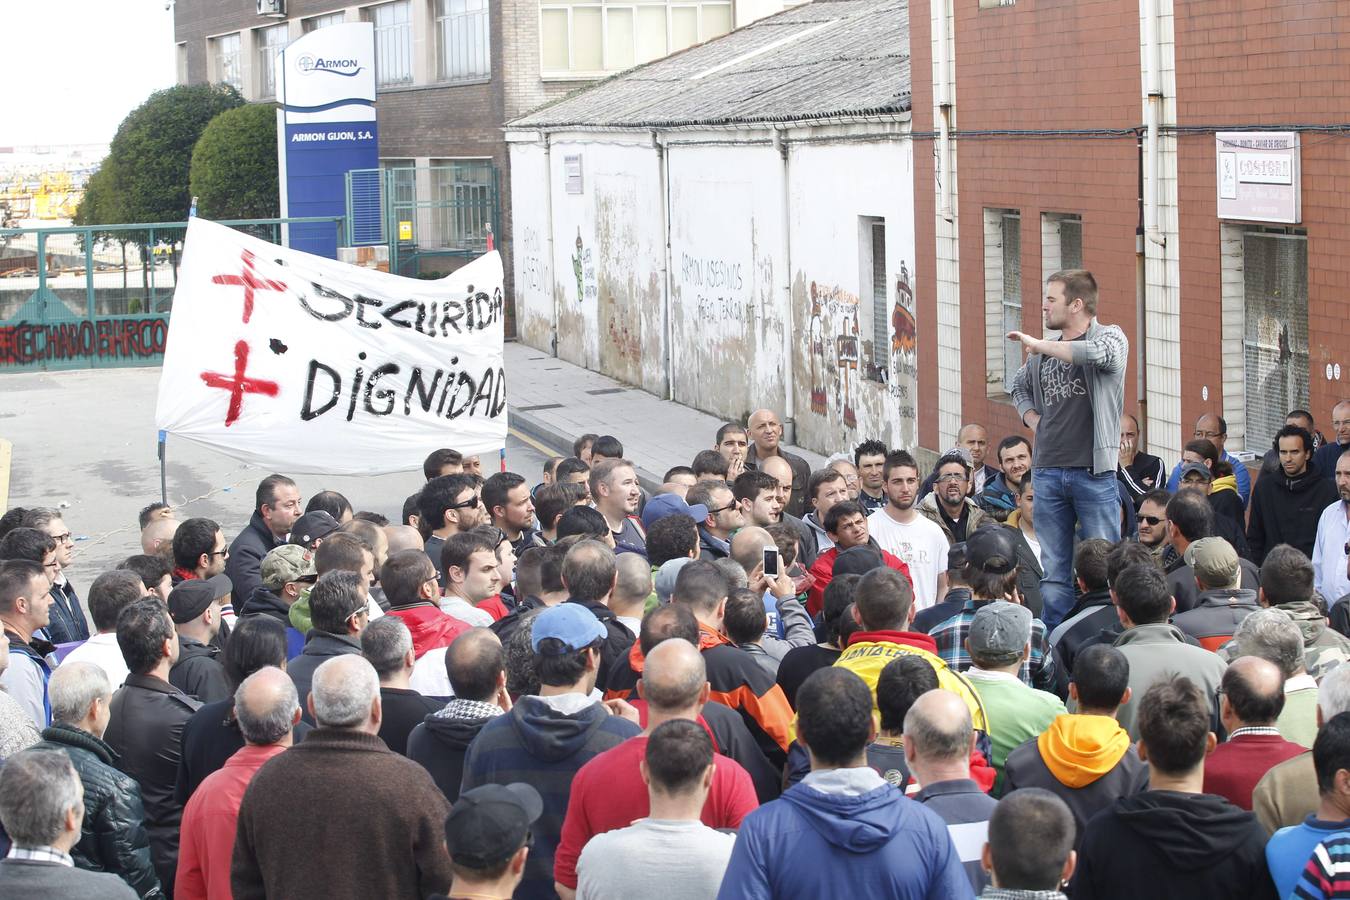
(1275, 332)
(270, 42)
(463, 40)
(393, 42)
(225, 55)
(1012, 295)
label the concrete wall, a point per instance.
(743, 327)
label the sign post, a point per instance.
(325, 127)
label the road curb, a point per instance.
(561, 443)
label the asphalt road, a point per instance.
(84, 441)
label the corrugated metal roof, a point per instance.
(821, 60)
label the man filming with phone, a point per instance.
(771, 588)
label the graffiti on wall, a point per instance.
(718, 288)
(904, 346)
(35, 343)
(835, 349)
(531, 260)
(583, 266)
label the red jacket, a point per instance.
(494, 607)
(206, 838)
(430, 627)
(1235, 766)
(822, 570)
(608, 793)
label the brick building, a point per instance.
(1090, 132)
(450, 73)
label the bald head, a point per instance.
(938, 727)
(1212, 429)
(403, 537)
(747, 547)
(266, 706)
(674, 677)
(632, 586)
(158, 533)
(1253, 691)
(475, 663)
(778, 468)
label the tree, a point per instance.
(151, 155)
(234, 165)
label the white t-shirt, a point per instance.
(921, 544)
(651, 858)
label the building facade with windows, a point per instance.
(1191, 156)
(449, 74)
(733, 227)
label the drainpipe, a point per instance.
(667, 320)
(943, 97)
(789, 349)
(1152, 116)
(548, 236)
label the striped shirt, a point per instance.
(1327, 873)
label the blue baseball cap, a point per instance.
(573, 624)
(663, 505)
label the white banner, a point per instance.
(298, 363)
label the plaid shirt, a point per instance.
(1038, 670)
(993, 893)
(41, 854)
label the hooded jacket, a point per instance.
(1164, 844)
(1323, 648)
(739, 682)
(1216, 615)
(1082, 626)
(1286, 511)
(430, 628)
(268, 603)
(440, 742)
(813, 843)
(112, 838)
(539, 746)
(244, 565)
(1087, 761)
(198, 672)
(868, 652)
(997, 498)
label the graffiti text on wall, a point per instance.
(583, 267)
(25, 343)
(531, 261)
(718, 286)
(833, 331)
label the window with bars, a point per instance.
(462, 40)
(314, 23)
(1275, 331)
(874, 321)
(462, 194)
(393, 42)
(594, 37)
(269, 42)
(225, 62)
(1011, 233)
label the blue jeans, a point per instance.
(1069, 499)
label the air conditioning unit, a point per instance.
(275, 9)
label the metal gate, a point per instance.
(98, 296)
(1275, 333)
(425, 213)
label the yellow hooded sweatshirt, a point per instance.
(1226, 483)
(1079, 749)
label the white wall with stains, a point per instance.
(747, 306)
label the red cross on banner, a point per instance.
(250, 282)
(238, 386)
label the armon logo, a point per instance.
(346, 67)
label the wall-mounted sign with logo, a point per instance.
(1258, 176)
(326, 127)
(404, 230)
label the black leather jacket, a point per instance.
(145, 729)
(113, 838)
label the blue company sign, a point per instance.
(327, 93)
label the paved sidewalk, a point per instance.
(555, 402)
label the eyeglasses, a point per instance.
(356, 612)
(1152, 520)
(472, 501)
(715, 511)
(222, 553)
(950, 476)
(1208, 435)
(62, 538)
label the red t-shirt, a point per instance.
(608, 793)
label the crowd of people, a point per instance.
(1038, 668)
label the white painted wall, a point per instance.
(832, 186)
(735, 303)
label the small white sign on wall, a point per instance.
(1258, 176)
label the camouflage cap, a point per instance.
(289, 562)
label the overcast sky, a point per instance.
(75, 68)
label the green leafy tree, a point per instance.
(234, 165)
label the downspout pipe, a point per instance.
(667, 319)
(1153, 98)
(789, 349)
(548, 236)
(943, 98)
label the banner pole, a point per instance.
(163, 477)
